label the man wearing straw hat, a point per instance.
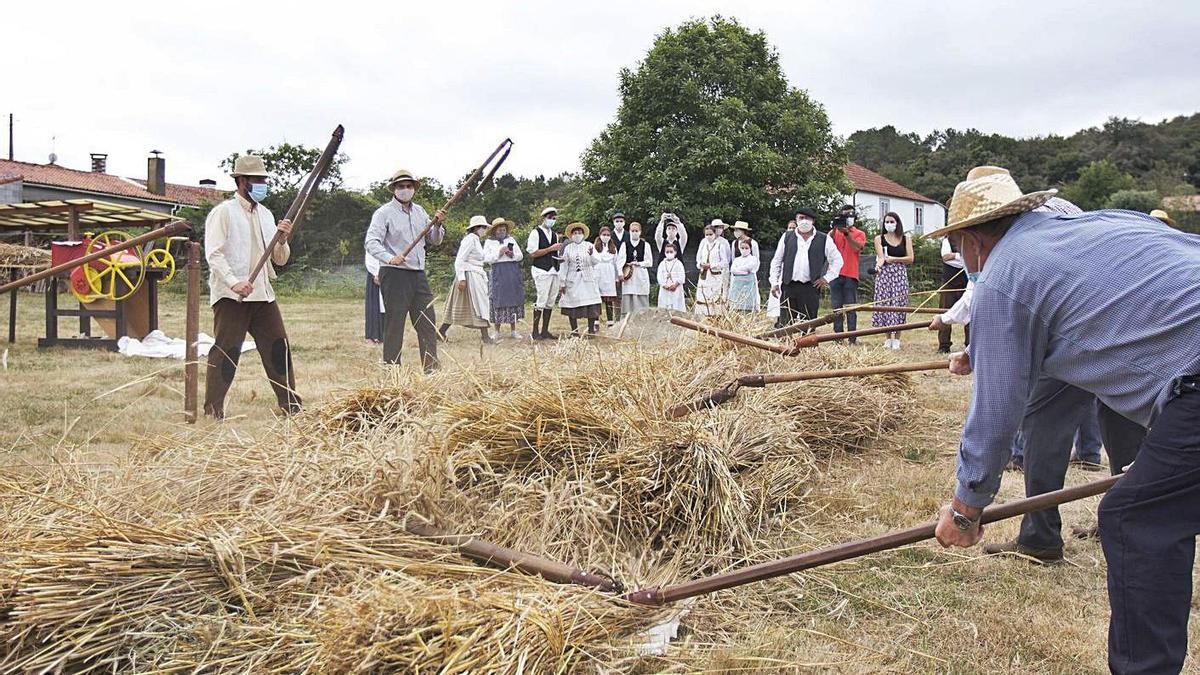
(236, 233)
(394, 227)
(1105, 326)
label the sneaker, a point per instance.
(896, 345)
(1045, 556)
(516, 335)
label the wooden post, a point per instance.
(191, 376)
(12, 311)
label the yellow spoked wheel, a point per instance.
(161, 257)
(115, 276)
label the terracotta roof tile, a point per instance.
(108, 184)
(866, 180)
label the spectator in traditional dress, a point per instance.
(543, 246)
(805, 262)
(743, 286)
(636, 261)
(713, 262)
(607, 249)
(506, 287)
(577, 273)
(671, 280)
(671, 230)
(373, 306)
(894, 253)
(468, 304)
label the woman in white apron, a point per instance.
(578, 291)
(713, 264)
(468, 304)
(638, 258)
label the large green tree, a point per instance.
(708, 127)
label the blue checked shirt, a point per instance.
(1108, 301)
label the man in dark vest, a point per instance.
(954, 279)
(543, 246)
(805, 262)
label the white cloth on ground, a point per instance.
(157, 345)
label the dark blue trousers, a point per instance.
(1148, 527)
(843, 292)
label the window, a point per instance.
(885, 205)
(919, 218)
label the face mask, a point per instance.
(549, 223)
(849, 221)
(710, 235)
(745, 251)
(634, 236)
(973, 277)
(805, 226)
(619, 224)
(577, 238)
(501, 234)
(478, 232)
(404, 194)
(669, 255)
(258, 192)
(605, 238)
(890, 227)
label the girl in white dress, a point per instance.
(578, 290)
(607, 271)
(713, 264)
(671, 280)
(635, 291)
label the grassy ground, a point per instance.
(919, 609)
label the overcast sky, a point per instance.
(433, 86)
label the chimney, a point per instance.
(208, 183)
(99, 162)
(156, 173)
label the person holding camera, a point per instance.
(843, 291)
(503, 255)
(670, 230)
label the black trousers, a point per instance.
(406, 295)
(952, 278)
(231, 321)
(798, 301)
(1052, 414)
(1148, 527)
(843, 292)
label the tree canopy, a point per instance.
(708, 127)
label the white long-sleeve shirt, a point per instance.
(960, 312)
(493, 246)
(712, 253)
(946, 250)
(236, 233)
(393, 228)
(469, 258)
(531, 245)
(800, 271)
(660, 236)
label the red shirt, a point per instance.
(849, 255)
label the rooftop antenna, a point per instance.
(53, 155)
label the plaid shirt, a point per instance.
(1108, 301)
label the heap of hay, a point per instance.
(26, 258)
(289, 554)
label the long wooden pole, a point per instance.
(494, 555)
(295, 212)
(191, 374)
(726, 393)
(908, 310)
(462, 190)
(856, 549)
(733, 337)
(814, 340)
(804, 326)
(170, 230)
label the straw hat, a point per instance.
(249, 165)
(402, 174)
(988, 193)
(587, 233)
(1162, 215)
(717, 222)
(476, 221)
(497, 223)
(741, 225)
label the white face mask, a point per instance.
(849, 220)
(549, 223)
(634, 235)
(605, 238)
(710, 235)
(501, 234)
(889, 226)
(805, 226)
(478, 232)
(619, 224)
(577, 237)
(404, 194)
(669, 255)
(745, 251)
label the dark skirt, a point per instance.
(373, 312)
(507, 293)
(588, 312)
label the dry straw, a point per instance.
(289, 553)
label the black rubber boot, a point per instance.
(546, 334)
(537, 320)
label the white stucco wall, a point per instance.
(867, 204)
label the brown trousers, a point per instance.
(231, 321)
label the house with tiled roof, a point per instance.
(875, 195)
(29, 182)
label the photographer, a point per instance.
(843, 291)
(670, 230)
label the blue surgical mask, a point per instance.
(973, 277)
(258, 192)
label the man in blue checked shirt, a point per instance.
(1109, 302)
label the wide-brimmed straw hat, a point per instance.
(741, 225)
(477, 221)
(249, 165)
(1163, 216)
(717, 222)
(497, 223)
(402, 174)
(988, 193)
(587, 232)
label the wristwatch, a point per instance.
(962, 522)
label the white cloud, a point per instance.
(434, 86)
